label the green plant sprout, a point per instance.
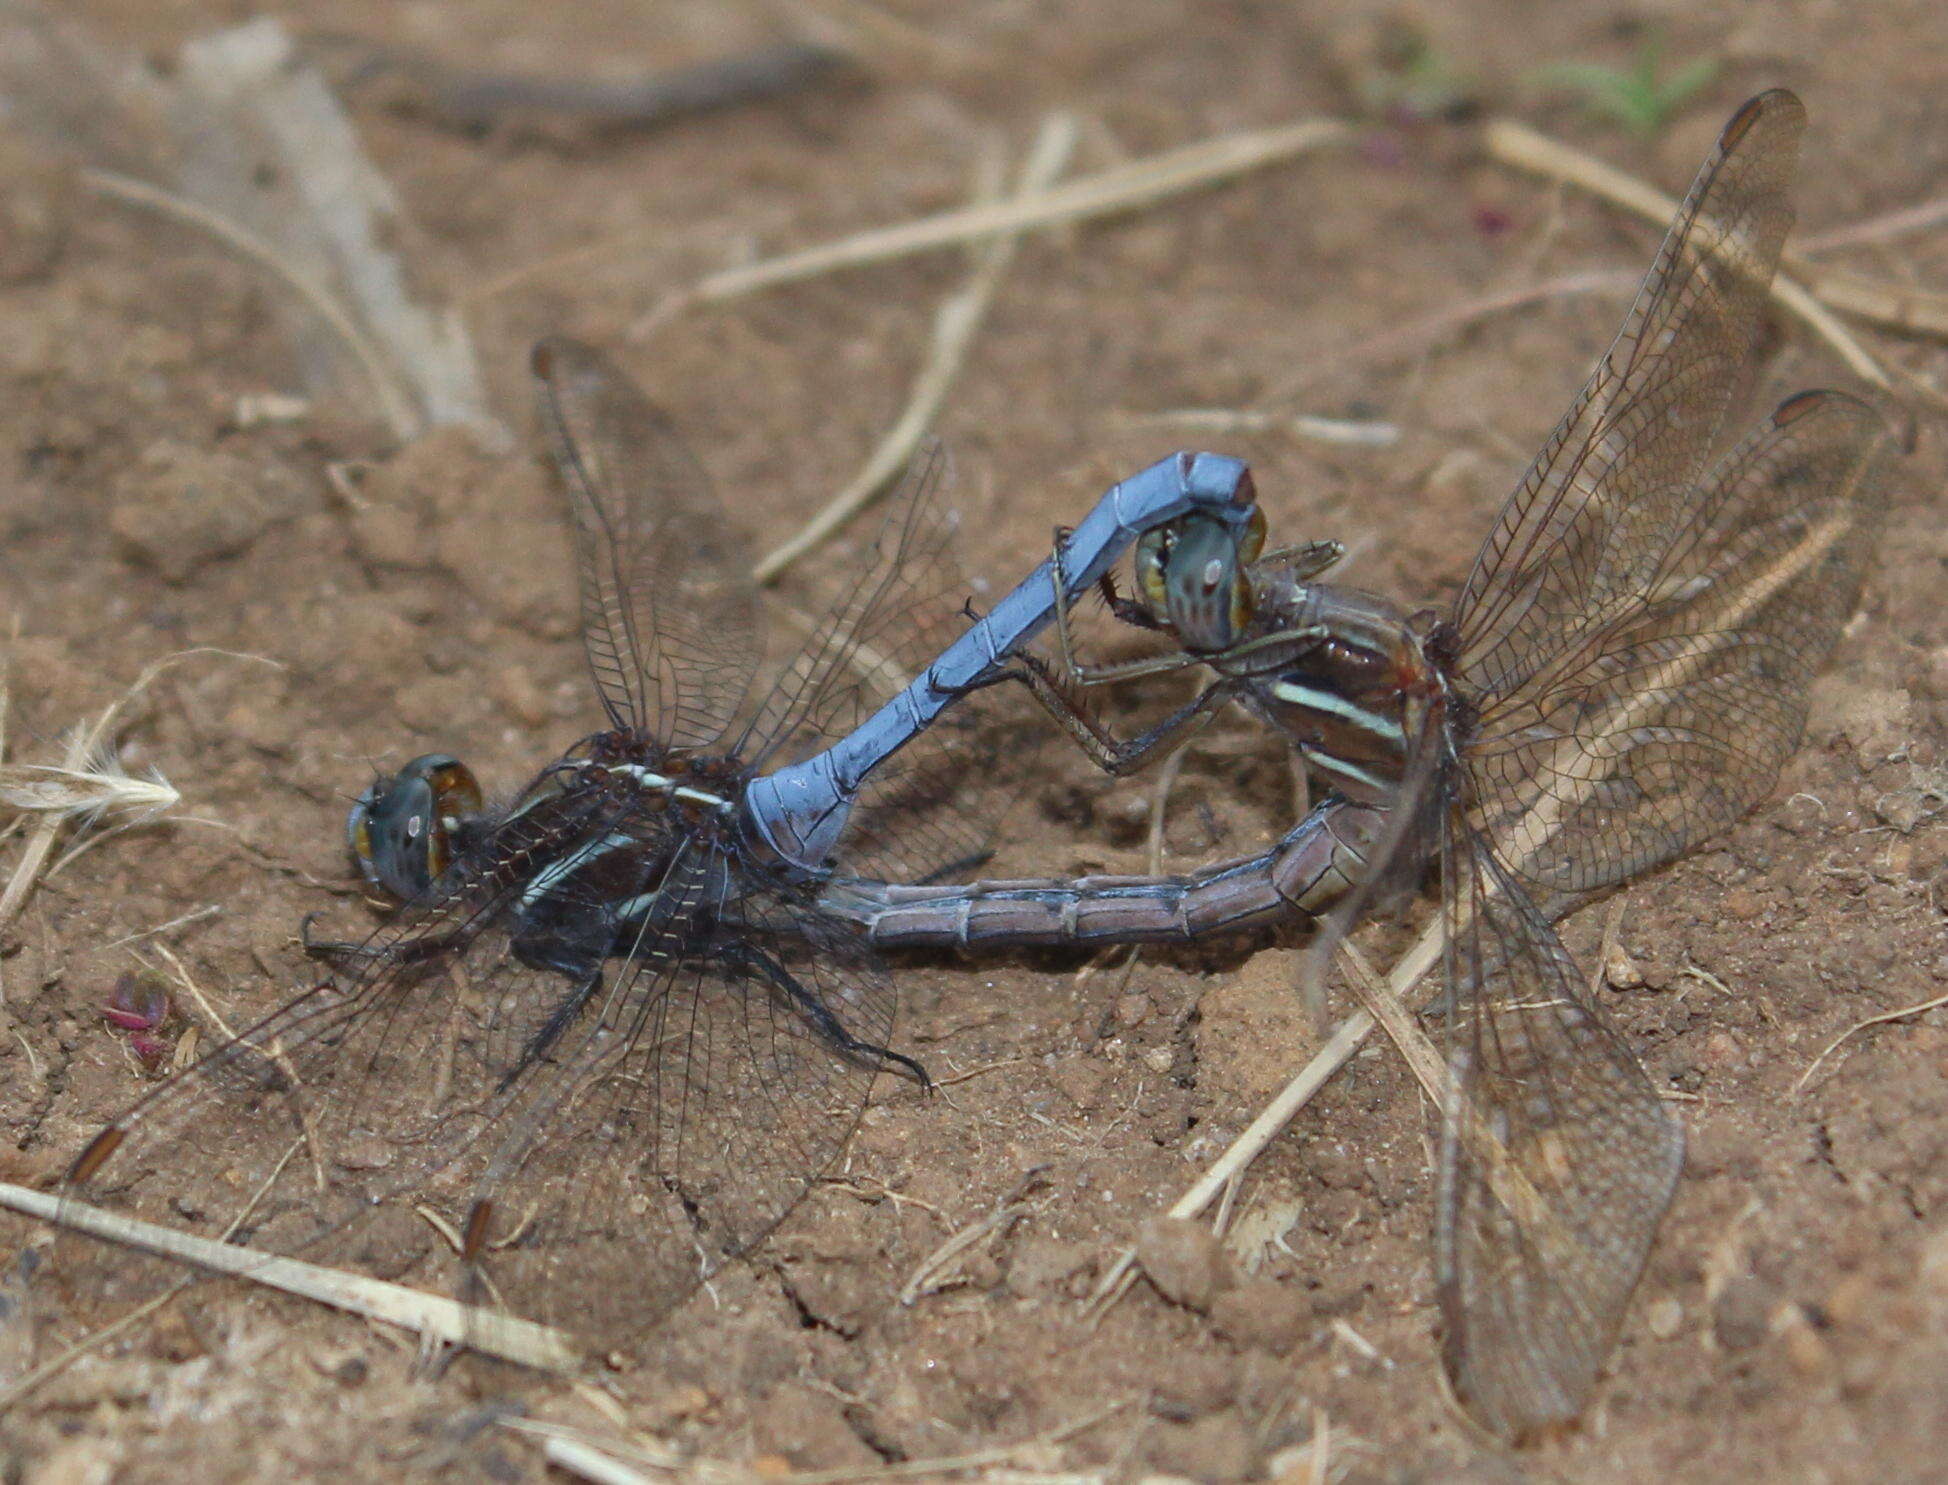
(1634, 96)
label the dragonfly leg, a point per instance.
(585, 987)
(330, 948)
(1075, 672)
(1113, 755)
(749, 959)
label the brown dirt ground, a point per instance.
(1794, 1320)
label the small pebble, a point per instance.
(1742, 905)
(1932, 1269)
(1846, 1301)
(1184, 1260)
(1621, 970)
(1806, 1349)
(1741, 1315)
(1664, 1318)
(1263, 1313)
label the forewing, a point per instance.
(318, 1127)
(669, 613)
(1673, 717)
(1557, 1160)
(1616, 478)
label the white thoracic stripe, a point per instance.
(658, 783)
(574, 861)
(1332, 763)
(1318, 700)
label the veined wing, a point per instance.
(1617, 478)
(688, 1110)
(669, 614)
(1557, 1159)
(372, 1086)
(1672, 717)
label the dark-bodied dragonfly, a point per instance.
(661, 1042)
(1622, 676)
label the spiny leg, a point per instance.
(1113, 755)
(742, 956)
(1127, 611)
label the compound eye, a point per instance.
(1152, 567)
(456, 789)
(1252, 540)
(359, 829)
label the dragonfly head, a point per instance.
(1192, 573)
(401, 829)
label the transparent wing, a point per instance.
(684, 1115)
(311, 1126)
(669, 614)
(1557, 1159)
(1617, 475)
(455, 1120)
(1673, 715)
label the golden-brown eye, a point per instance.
(1152, 567)
(1252, 541)
(456, 789)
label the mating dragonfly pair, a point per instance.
(674, 1026)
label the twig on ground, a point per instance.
(1892, 306)
(1004, 1211)
(1359, 432)
(954, 327)
(394, 402)
(622, 1461)
(1123, 188)
(1916, 218)
(521, 1341)
(1859, 1026)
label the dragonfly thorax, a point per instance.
(1344, 674)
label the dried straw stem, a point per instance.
(433, 1316)
(954, 326)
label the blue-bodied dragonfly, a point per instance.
(608, 1038)
(1622, 676)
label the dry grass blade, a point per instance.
(1859, 1026)
(1338, 1050)
(1520, 146)
(100, 789)
(85, 744)
(1358, 432)
(432, 1315)
(1125, 188)
(623, 1462)
(1108, 193)
(1891, 306)
(1917, 218)
(395, 405)
(926, 1278)
(954, 326)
